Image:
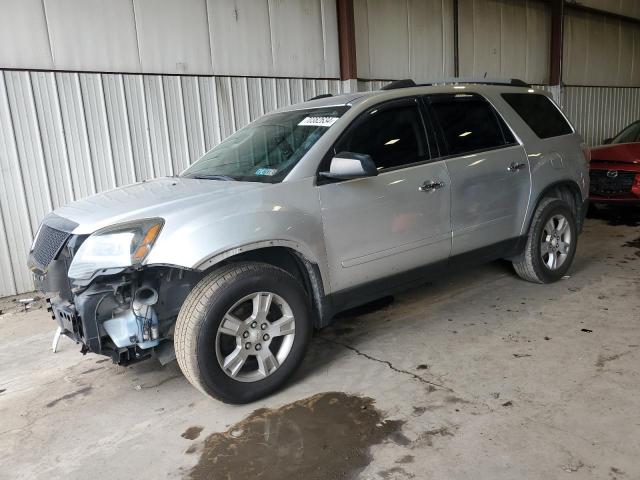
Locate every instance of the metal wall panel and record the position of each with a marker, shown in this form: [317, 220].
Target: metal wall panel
[274, 37]
[64, 136]
[504, 38]
[15, 232]
[91, 35]
[404, 39]
[173, 37]
[282, 38]
[600, 51]
[22, 22]
[601, 112]
[630, 8]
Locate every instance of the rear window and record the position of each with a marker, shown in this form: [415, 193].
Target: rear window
[542, 116]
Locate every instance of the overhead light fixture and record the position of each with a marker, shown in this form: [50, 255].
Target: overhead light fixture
[392, 141]
[464, 134]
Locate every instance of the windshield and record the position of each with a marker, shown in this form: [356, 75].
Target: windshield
[629, 134]
[267, 149]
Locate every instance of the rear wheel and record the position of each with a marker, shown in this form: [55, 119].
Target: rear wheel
[242, 331]
[551, 243]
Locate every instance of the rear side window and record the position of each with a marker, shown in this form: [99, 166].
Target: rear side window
[469, 123]
[394, 137]
[542, 116]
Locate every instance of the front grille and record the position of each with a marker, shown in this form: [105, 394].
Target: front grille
[606, 182]
[47, 246]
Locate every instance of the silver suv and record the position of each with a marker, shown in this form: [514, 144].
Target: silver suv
[308, 211]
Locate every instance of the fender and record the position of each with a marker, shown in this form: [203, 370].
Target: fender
[302, 251]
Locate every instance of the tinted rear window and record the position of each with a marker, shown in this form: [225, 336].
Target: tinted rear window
[542, 116]
[469, 123]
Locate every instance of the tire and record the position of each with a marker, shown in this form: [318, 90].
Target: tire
[533, 265]
[201, 335]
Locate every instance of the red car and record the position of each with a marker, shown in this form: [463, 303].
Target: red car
[615, 168]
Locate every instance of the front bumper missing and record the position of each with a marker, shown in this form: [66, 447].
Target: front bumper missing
[78, 321]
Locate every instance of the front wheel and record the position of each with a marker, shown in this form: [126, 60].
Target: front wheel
[242, 331]
[551, 243]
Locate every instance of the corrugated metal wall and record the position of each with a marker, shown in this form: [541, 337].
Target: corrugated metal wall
[504, 38]
[601, 112]
[64, 136]
[600, 51]
[404, 39]
[284, 38]
[630, 8]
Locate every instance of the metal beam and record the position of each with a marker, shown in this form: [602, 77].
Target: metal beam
[456, 56]
[556, 43]
[347, 40]
[603, 13]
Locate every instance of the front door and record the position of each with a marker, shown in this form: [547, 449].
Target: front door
[380, 226]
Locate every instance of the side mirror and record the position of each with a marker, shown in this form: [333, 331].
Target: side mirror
[347, 165]
[607, 141]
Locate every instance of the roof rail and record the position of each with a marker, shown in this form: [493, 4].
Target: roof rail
[399, 84]
[514, 82]
[318, 97]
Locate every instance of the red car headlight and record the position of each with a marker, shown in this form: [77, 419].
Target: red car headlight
[635, 189]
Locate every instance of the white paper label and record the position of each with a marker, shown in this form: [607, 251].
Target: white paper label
[319, 121]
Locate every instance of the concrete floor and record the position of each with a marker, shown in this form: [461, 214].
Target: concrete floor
[488, 377]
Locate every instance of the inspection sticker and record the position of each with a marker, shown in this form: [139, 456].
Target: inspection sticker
[269, 172]
[319, 121]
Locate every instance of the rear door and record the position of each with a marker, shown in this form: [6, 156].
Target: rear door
[489, 170]
[377, 227]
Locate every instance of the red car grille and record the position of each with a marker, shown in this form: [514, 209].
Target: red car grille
[611, 182]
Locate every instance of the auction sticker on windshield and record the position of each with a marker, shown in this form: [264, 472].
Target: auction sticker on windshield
[266, 171]
[319, 121]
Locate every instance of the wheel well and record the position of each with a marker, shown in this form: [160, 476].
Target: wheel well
[567, 191]
[306, 272]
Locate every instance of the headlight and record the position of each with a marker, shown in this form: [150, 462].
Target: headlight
[117, 246]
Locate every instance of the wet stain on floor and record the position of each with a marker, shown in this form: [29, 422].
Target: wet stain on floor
[191, 433]
[325, 436]
[634, 244]
[83, 391]
[628, 216]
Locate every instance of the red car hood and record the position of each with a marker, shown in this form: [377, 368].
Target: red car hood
[618, 153]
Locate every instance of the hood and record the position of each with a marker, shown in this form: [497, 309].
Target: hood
[618, 153]
[155, 198]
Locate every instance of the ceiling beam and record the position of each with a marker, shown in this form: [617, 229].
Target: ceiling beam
[604, 13]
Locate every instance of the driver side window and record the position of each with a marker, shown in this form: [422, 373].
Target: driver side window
[394, 137]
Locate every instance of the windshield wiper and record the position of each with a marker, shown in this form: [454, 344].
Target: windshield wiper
[214, 177]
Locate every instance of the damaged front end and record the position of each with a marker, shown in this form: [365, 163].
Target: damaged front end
[126, 312]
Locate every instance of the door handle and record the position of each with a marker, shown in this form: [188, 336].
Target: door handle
[431, 185]
[514, 167]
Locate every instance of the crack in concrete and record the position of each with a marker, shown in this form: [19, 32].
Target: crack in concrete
[161, 382]
[387, 363]
[602, 359]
